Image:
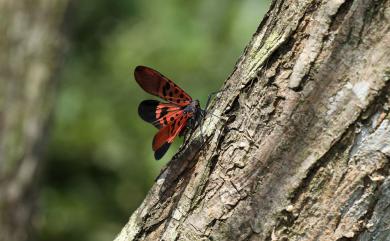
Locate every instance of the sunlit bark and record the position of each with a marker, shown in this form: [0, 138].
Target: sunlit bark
[304, 153]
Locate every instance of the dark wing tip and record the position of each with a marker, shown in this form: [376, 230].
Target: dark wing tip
[159, 153]
[147, 110]
[148, 79]
[138, 71]
[140, 68]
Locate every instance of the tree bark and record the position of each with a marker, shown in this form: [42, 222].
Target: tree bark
[304, 153]
[30, 44]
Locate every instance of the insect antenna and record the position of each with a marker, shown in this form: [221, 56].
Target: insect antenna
[204, 112]
[211, 95]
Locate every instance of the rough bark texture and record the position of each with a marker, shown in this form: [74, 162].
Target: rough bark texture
[304, 154]
[29, 45]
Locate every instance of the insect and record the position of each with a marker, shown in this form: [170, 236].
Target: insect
[175, 118]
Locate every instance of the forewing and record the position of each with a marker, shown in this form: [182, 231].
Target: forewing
[167, 134]
[157, 84]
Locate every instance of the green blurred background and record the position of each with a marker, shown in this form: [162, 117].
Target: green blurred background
[100, 165]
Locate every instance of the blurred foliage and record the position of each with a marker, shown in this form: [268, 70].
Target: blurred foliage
[100, 164]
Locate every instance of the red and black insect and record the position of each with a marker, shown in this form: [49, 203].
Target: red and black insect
[174, 118]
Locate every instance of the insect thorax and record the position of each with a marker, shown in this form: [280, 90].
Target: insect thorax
[193, 108]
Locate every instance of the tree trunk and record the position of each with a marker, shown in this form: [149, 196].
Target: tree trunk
[304, 153]
[29, 43]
